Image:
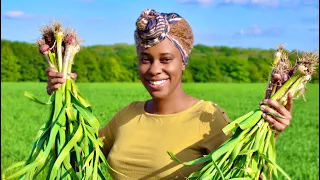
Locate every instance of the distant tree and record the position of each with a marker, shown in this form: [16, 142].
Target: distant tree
[113, 71]
[10, 69]
[235, 68]
[187, 76]
[21, 61]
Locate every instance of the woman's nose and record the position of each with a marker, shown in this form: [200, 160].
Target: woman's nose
[155, 68]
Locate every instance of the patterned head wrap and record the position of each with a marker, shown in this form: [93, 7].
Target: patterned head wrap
[152, 27]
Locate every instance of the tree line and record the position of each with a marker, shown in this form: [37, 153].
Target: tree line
[21, 61]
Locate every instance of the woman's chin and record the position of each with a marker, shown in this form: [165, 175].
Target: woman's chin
[158, 94]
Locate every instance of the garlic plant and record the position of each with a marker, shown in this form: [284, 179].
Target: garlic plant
[250, 152]
[67, 143]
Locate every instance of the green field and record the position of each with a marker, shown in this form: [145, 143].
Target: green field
[297, 147]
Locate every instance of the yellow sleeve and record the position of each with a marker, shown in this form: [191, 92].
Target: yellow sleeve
[214, 119]
[109, 131]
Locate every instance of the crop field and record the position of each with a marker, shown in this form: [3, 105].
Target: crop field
[297, 147]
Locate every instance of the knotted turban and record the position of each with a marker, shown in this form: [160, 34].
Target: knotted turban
[153, 27]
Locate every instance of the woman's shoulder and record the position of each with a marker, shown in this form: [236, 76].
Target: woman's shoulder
[211, 106]
[134, 106]
[127, 112]
[213, 111]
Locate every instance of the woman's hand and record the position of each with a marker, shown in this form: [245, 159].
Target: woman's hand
[55, 79]
[276, 114]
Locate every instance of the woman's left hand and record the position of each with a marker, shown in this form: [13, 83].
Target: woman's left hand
[276, 114]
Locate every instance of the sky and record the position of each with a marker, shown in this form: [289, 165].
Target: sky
[261, 24]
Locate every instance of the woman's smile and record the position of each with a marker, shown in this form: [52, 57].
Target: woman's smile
[157, 84]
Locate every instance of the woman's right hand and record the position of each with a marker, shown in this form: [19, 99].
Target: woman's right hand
[55, 79]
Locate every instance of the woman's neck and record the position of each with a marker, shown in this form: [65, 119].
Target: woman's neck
[175, 103]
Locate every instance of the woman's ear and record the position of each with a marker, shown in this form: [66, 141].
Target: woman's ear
[183, 66]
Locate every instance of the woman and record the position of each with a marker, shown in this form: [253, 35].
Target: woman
[137, 138]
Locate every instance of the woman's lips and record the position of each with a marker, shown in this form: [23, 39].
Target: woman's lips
[157, 84]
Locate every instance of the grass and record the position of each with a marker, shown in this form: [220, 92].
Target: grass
[297, 147]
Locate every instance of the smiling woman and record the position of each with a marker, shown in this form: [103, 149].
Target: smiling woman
[160, 70]
[137, 138]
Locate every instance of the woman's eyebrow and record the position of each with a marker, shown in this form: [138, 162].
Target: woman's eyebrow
[144, 53]
[163, 54]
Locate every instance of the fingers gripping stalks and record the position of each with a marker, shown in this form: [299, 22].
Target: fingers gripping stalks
[250, 153]
[68, 143]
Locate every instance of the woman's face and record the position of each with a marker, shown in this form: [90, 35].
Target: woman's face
[160, 69]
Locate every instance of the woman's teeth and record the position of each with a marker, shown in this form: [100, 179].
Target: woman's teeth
[157, 82]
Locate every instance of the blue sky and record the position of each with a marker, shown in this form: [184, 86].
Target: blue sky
[236, 23]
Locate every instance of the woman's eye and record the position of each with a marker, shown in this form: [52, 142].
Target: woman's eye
[165, 59]
[144, 59]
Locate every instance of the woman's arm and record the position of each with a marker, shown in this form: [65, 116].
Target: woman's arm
[107, 134]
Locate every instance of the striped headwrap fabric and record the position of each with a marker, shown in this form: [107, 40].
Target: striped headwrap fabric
[152, 27]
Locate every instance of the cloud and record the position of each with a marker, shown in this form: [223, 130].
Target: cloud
[271, 3]
[310, 2]
[21, 15]
[254, 3]
[311, 19]
[16, 14]
[314, 29]
[255, 30]
[196, 2]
